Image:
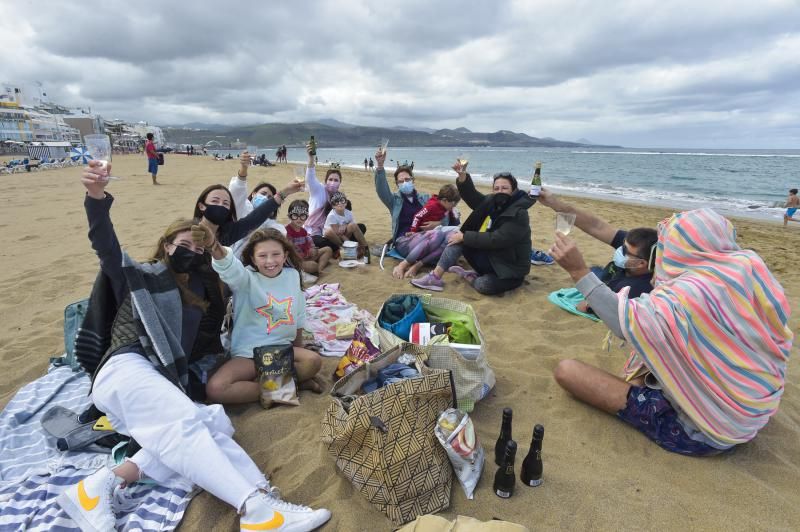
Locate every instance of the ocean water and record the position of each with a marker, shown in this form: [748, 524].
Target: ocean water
[750, 183]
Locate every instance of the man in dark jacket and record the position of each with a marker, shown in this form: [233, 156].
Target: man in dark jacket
[495, 239]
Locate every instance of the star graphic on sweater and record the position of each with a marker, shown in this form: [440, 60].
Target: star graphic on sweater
[277, 311]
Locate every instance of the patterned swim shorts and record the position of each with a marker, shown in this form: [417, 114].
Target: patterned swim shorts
[650, 412]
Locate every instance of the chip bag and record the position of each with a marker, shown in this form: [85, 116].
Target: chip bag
[361, 350]
[275, 370]
[456, 433]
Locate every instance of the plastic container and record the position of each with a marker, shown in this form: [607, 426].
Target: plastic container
[349, 250]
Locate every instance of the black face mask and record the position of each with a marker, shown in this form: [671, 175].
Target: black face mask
[500, 199]
[183, 260]
[216, 214]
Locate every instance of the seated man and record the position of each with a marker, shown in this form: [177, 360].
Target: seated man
[709, 343]
[633, 257]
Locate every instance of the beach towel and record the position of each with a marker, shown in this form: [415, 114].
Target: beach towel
[714, 329]
[568, 299]
[326, 308]
[33, 472]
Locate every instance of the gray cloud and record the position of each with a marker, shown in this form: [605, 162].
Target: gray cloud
[636, 73]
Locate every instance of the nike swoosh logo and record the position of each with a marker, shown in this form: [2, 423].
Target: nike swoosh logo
[272, 524]
[87, 503]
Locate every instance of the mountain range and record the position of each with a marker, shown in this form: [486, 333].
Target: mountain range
[333, 133]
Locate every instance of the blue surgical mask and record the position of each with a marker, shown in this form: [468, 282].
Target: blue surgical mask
[257, 200]
[620, 260]
[406, 187]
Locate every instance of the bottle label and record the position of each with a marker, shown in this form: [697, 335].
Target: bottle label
[535, 482]
[503, 494]
[536, 190]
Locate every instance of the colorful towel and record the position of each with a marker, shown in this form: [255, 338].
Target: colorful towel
[568, 299]
[714, 329]
[326, 308]
[33, 472]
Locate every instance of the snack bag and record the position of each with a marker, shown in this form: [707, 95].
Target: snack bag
[422, 333]
[456, 433]
[275, 370]
[361, 350]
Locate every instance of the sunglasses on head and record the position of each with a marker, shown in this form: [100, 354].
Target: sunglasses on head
[502, 174]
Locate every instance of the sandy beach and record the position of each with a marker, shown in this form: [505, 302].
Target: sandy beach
[599, 473]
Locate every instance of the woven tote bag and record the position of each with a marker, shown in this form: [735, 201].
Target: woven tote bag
[383, 442]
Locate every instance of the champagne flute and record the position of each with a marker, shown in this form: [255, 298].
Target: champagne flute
[252, 151]
[564, 222]
[99, 148]
[384, 145]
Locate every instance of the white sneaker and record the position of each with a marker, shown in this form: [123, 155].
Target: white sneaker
[88, 502]
[267, 512]
[308, 278]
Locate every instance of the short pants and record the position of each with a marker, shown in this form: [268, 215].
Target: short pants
[152, 166]
[790, 211]
[650, 412]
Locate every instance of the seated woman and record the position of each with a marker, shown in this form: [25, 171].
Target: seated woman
[319, 204]
[404, 203]
[425, 247]
[269, 309]
[215, 209]
[167, 312]
[495, 239]
[710, 342]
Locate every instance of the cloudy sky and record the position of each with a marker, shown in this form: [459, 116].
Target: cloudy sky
[641, 73]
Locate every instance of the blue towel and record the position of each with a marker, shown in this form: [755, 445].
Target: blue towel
[568, 299]
[33, 472]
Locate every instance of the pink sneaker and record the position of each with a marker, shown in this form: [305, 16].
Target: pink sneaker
[468, 275]
[429, 282]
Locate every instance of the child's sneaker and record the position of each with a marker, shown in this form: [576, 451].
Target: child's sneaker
[468, 275]
[540, 258]
[429, 281]
[88, 502]
[263, 511]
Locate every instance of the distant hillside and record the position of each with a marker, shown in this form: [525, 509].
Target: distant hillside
[337, 134]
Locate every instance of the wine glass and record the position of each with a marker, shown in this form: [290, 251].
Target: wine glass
[99, 148]
[300, 174]
[564, 222]
[252, 151]
[463, 160]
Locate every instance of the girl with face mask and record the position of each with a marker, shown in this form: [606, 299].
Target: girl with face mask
[148, 324]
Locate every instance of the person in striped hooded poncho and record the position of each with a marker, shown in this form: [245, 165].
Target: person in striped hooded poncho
[710, 342]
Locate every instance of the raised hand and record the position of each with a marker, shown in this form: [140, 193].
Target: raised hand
[95, 178]
[380, 158]
[203, 236]
[568, 256]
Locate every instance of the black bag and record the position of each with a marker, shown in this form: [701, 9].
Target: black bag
[160, 159]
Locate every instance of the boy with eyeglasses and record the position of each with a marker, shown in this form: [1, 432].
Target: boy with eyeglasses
[340, 225]
[314, 259]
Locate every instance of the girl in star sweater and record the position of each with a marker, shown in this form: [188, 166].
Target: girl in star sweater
[268, 310]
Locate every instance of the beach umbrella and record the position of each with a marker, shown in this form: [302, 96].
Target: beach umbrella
[80, 153]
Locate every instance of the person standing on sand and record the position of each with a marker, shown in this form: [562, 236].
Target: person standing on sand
[365, 164]
[709, 344]
[371, 164]
[792, 204]
[152, 157]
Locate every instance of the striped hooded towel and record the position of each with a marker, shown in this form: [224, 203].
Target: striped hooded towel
[714, 329]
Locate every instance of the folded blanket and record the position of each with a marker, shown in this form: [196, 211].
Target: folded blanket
[568, 299]
[33, 472]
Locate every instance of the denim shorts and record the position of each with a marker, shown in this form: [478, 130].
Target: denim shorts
[152, 166]
[650, 412]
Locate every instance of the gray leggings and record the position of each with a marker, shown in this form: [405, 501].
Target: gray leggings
[488, 284]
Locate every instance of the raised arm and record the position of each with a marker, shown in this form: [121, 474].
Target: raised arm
[242, 227]
[381, 185]
[585, 221]
[468, 192]
[101, 231]
[238, 187]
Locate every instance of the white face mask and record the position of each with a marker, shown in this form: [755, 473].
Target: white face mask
[620, 260]
[406, 187]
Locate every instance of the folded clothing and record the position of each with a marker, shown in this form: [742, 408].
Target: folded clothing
[392, 373]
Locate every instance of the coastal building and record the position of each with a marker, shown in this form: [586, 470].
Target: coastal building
[26, 115]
